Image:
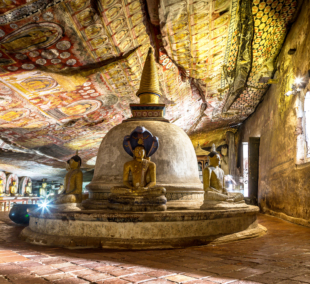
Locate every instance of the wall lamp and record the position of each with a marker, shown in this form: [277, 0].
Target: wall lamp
[299, 83]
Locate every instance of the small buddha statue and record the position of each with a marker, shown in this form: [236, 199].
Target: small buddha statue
[2, 191]
[13, 189]
[28, 189]
[216, 195]
[73, 183]
[140, 193]
[43, 190]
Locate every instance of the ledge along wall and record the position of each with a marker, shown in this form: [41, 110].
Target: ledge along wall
[284, 176]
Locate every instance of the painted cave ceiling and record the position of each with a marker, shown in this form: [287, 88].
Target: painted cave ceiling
[70, 69]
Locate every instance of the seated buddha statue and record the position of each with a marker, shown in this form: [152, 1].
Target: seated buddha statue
[28, 189]
[2, 191]
[73, 183]
[13, 189]
[216, 195]
[140, 193]
[43, 190]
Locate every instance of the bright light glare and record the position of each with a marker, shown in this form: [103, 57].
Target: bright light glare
[298, 81]
[44, 205]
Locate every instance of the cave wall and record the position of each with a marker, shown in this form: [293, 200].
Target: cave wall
[284, 173]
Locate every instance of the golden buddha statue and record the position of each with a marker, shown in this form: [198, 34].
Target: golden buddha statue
[216, 195]
[140, 193]
[2, 191]
[73, 183]
[28, 189]
[13, 189]
[143, 172]
[43, 189]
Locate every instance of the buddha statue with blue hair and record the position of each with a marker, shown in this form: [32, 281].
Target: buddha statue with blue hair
[140, 192]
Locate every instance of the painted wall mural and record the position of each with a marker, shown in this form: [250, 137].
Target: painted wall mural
[31, 37]
[52, 91]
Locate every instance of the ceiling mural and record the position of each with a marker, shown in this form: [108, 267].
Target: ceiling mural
[70, 69]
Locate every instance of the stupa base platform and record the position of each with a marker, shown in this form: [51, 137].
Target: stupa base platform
[102, 204]
[67, 207]
[108, 229]
[137, 208]
[222, 205]
[179, 197]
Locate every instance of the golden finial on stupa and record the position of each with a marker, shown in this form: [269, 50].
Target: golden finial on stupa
[149, 90]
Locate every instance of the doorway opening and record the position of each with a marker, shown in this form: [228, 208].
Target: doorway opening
[253, 169]
[245, 166]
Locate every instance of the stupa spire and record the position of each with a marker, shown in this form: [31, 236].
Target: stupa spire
[149, 91]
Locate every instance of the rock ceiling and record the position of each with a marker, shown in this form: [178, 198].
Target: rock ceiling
[69, 69]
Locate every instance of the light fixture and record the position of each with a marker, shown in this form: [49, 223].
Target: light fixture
[299, 83]
[298, 80]
[294, 91]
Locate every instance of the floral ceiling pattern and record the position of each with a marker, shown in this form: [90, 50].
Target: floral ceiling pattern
[70, 69]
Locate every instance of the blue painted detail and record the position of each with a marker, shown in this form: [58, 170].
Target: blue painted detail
[141, 137]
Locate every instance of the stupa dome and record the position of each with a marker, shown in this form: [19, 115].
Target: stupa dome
[175, 159]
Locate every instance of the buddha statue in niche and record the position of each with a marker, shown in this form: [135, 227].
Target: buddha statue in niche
[2, 191]
[73, 183]
[13, 189]
[28, 189]
[43, 190]
[143, 174]
[139, 176]
[216, 195]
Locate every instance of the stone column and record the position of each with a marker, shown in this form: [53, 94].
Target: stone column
[230, 138]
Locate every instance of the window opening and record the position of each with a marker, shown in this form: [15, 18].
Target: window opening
[307, 122]
[200, 171]
[245, 155]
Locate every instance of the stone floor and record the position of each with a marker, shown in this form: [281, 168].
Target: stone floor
[281, 256]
